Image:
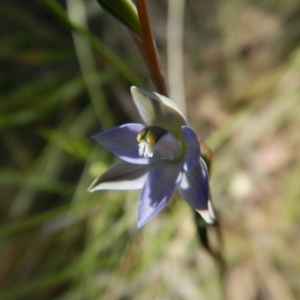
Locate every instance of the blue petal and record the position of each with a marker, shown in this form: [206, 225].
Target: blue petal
[158, 189]
[191, 148]
[194, 186]
[122, 176]
[121, 141]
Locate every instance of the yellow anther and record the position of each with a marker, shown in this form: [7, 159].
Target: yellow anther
[154, 139]
[150, 135]
[151, 138]
[141, 134]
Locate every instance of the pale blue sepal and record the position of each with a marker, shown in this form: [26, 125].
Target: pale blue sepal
[194, 189]
[191, 148]
[122, 176]
[160, 185]
[122, 142]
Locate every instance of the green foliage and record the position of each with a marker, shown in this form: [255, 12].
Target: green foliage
[124, 11]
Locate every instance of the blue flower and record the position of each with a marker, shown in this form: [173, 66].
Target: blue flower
[157, 157]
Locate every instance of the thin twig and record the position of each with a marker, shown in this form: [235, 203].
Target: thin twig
[202, 229]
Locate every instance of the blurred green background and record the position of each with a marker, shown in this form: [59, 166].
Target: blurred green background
[58, 88]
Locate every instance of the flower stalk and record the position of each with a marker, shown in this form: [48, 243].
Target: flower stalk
[150, 48]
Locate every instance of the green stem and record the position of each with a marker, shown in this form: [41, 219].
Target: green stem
[152, 54]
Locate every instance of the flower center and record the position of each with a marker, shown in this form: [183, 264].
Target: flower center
[156, 140]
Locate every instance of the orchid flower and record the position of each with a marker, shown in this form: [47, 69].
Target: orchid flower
[158, 157]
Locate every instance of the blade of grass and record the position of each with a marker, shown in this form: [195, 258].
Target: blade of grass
[101, 49]
[175, 52]
[77, 14]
